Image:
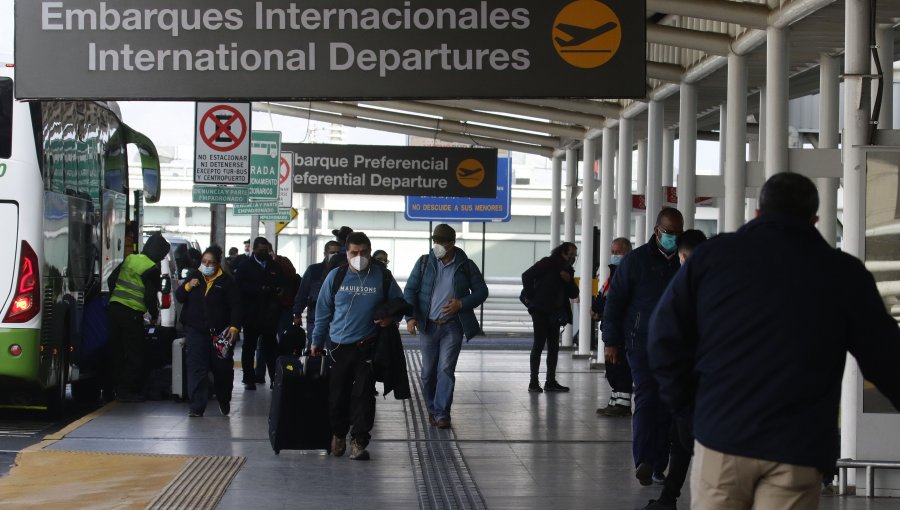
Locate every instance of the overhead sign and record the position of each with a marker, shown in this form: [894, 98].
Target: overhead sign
[257, 207]
[265, 152]
[221, 194]
[319, 49]
[394, 170]
[222, 143]
[285, 169]
[466, 209]
[670, 194]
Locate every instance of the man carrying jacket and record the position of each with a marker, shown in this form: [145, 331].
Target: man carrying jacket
[133, 286]
[633, 294]
[444, 289]
[749, 343]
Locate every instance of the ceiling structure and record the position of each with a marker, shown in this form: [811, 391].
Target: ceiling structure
[687, 41]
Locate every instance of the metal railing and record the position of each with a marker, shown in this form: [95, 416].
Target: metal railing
[870, 465]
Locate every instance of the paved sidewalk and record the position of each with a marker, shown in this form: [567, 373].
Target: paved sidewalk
[508, 449]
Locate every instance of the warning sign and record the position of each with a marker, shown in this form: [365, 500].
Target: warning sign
[587, 34]
[285, 168]
[222, 143]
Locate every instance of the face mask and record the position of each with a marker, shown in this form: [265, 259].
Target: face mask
[615, 260]
[667, 241]
[207, 270]
[329, 257]
[263, 257]
[571, 259]
[359, 263]
[247, 251]
[439, 250]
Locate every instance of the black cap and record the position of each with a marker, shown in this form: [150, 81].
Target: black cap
[443, 233]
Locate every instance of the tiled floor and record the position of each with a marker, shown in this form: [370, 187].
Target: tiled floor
[523, 450]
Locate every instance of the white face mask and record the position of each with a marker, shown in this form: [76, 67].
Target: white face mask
[439, 250]
[359, 263]
[207, 270]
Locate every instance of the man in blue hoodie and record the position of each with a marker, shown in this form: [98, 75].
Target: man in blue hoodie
[444, 289]
[348, 316]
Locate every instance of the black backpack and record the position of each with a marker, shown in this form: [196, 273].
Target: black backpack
[386, 278]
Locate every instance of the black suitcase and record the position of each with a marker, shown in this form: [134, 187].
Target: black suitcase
[298, 416]
[291, 341]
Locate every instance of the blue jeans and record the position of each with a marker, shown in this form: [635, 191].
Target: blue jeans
[441, 344]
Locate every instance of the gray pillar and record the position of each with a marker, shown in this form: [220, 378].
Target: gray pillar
[571, 182]
[687, 154]
[776, 101]
[856, 122]
[556, 180]
[829, 102]
[884, 39]
[312, 220]
[723, 132]
[586, 251]
[736, 144]
[668, 157]
[640, 225]
[254, 228]
[623, 179]
[654, 163]
[606, 199]
[217, 227]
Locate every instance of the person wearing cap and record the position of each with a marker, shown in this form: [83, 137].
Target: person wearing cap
[444, 288]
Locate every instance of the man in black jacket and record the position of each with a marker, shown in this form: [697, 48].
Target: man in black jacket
[259, 280]
[619, 374]
[310, 284]
[749, 343]
[633, 293]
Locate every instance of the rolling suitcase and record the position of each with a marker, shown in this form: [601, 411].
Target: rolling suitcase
[298, 416]
[179, 371]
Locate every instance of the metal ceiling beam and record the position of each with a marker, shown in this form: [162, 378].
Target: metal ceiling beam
[525, 110]
[401, 129]
[591, 107]
[671, 73]
[711, 42]
[742, 13]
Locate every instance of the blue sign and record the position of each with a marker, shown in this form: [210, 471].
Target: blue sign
[466, 209]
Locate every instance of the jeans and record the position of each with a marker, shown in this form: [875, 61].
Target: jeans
[201, 360]
[651, 423]
[546, 332]
[440, 347]
[351, 398]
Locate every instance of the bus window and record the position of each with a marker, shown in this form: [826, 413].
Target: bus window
[6, 104]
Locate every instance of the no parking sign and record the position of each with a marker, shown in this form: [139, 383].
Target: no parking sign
[222, 143]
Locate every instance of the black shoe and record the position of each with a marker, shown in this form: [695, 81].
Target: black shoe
[615, 411]
[659, 478]
[250, 386]
[644, 473]
[261, 381]
[554, 386]
[195, 414]
[225, 408]
[658, 505]
[535, 387]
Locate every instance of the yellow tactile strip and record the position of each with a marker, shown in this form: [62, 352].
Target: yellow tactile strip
[199, 485]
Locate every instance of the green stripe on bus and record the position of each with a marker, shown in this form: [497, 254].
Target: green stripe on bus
[26, 366]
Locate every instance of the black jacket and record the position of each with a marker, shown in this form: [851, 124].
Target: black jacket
[309, 289]
[390, 361]
[634, 291]
[259, 288]
[750, 340]
[216, 309]
[545, 290]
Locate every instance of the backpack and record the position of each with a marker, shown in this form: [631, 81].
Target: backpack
[386, 278]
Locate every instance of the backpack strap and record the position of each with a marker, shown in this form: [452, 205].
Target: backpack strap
[338, 280]
[422, 261]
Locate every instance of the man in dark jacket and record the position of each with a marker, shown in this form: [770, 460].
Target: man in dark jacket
[310, 284]
[259, 281]
[749, 343]
[633, 294]
[619, 374]
[547, 287]
[444, 288]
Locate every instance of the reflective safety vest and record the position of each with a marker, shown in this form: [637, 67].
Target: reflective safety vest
[129, 289]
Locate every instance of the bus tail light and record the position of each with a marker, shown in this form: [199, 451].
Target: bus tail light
[166, 301]
[26, 303]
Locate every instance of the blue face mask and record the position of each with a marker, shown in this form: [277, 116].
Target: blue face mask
[667, 242]
[207, 270]
[615, 260]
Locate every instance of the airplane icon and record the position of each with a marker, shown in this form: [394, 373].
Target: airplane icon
[580, 35]
[465, 172]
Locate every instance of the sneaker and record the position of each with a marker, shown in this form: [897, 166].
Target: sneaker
[195, 414]
[338, 445]
[554, 386]
[659, 478]
[535, 387]
[644, 473]
[616, 411]
[225, 408]
[443, 423]
[250, 386]
[658, 505]
[358, 450]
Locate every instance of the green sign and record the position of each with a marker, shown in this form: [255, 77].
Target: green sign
[267, 207]
[265, 156]
[221, 194]
[284, 216]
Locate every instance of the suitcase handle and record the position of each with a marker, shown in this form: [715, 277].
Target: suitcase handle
[305, 362]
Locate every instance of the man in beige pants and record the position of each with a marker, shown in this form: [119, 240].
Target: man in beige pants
[748, 344]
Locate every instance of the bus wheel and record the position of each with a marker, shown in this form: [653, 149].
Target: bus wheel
[56, 399]
[87, 391]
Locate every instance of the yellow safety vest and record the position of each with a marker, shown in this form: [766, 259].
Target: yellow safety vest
[129, 289]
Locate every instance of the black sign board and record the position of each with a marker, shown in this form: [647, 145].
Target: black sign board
[392, 170]
[322, 49]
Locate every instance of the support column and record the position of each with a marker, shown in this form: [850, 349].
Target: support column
[640, 225]
[776, 101]
[884, 39]
[217, 227]
[856, 123]
[623, 181]
[687, 154]
[760, 153]
[586, 251]
[606, 203]
[829, 102]
[556, 181]
[668, 157]
[736, 144]
[723, 133]
[571, 181]
[654, 164]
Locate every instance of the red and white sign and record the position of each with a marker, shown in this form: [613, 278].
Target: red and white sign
[285, 190]
[222, 143]
[670, 194]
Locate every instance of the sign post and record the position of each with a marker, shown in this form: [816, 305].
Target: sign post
[222, 143]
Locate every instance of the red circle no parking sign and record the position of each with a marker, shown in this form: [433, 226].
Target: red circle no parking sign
[223, 128]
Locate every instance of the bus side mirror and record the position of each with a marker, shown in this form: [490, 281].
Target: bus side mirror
[149, 164]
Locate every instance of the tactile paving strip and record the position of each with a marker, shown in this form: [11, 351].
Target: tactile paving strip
[200, 484]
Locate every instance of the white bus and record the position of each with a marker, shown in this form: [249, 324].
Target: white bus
[65, 208]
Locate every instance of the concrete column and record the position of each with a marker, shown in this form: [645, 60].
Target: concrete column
[723, 130]
[623, 180]
[555, 209]
[571, 182]
[640, 225]
[776, 101]
[884, 39]
[736, 144]
[687, 154]
[668, 157]
[606, 199]
[760, 153]
[654, 163]
[829, 102]
[856, 123]
[586, 250]
[217, 227]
